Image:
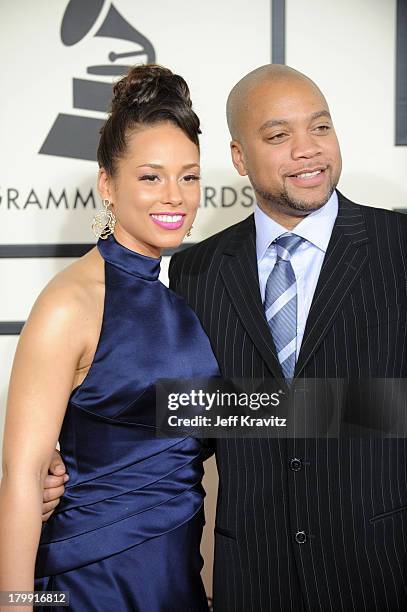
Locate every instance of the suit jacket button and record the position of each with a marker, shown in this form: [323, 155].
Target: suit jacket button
[295, 464]
[300, 537]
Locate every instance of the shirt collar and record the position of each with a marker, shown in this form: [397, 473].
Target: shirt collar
[315, 227]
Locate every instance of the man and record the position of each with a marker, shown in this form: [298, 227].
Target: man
[312, 286]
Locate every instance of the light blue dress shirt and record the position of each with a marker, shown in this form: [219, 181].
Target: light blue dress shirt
[316, 229]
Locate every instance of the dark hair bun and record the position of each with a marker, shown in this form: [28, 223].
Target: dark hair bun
[147, 95]
[147, 84]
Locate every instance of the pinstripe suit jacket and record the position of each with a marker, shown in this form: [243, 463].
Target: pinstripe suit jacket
[348, 494]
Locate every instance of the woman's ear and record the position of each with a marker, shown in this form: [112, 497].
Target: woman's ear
[104, 185]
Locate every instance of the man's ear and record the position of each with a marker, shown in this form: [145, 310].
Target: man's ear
[238, 157]
[104, 185]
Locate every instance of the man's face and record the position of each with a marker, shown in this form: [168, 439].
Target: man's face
[288, 147]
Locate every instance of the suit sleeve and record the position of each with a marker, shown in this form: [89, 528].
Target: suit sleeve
[173, 272]
[208, 447]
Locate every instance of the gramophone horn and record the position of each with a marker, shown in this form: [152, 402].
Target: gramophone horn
[79, 17]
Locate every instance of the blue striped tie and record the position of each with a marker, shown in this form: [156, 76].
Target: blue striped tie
[280, 303]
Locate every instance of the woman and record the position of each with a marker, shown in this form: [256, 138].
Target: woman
[126, 534]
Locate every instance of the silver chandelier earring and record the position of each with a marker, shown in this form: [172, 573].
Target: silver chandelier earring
[104, 221]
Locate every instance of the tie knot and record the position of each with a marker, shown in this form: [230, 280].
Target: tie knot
[286, 245]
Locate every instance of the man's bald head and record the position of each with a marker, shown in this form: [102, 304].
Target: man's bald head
[239, 98]
[284, 140]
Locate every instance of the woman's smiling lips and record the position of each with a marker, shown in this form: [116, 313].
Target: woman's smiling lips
[171, 221]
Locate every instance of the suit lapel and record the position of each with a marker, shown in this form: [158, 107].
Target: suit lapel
[344, 260]
[240, 276]
[345, 257]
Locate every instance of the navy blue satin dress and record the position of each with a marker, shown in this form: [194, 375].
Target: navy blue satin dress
[127, 531]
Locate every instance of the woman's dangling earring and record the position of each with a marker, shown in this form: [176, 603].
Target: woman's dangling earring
[104, 221]
[189, 232]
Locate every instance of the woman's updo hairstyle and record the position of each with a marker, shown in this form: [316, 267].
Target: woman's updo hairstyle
[147, 95]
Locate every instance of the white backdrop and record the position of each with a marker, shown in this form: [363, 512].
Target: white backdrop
[347, 47]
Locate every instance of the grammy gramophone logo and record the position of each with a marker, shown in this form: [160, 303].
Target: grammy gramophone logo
[77, 135]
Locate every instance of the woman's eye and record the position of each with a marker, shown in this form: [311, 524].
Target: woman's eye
[149, 177]
[191, 177]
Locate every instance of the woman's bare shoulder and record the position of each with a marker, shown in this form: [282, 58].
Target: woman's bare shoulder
[73, 294]
[79, 280]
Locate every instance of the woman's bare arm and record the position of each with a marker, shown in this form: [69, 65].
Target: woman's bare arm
[49, 351]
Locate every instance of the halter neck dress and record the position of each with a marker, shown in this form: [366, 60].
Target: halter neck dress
[126, 533]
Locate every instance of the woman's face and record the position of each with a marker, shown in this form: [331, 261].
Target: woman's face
[155, 192]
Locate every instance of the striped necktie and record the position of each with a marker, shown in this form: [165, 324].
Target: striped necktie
[280, 303]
